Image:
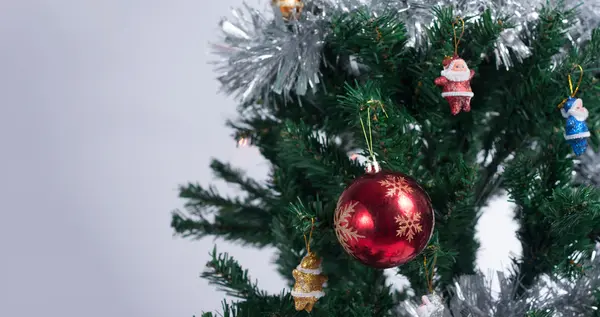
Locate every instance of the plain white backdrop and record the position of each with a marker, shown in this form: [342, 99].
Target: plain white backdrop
[106, 107]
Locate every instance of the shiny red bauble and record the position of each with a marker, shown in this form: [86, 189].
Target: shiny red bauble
[384, 219]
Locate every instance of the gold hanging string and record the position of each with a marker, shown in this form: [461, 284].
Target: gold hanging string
[369, 135]
[428, 277]
[307, 241]
[458, 39]
[573, 91]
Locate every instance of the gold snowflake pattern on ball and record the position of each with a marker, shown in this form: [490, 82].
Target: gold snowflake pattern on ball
[408, 225]
[395, 185]
[342, 227]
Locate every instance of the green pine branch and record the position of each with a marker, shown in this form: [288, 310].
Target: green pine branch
[203, 201]
[254, 191]
[270, 306]
[456, 216]
[246, 225]
[371, 299]
[289, 229]
[260, 131]
[428, 266]
[376, 41]
[575, 218]
[304, 215]
[556, 221]
[395, 141]
[320, 165]
[225, 272]
[234, 219]
[207, 199]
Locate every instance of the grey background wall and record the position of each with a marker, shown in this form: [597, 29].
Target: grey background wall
[105, 107]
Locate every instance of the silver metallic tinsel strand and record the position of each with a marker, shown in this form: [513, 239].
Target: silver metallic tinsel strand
[473, 296]
[587, 168]
[521, 12]
[260, 54]
[574, 298]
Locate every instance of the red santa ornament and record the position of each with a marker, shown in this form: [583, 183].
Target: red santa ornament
[456, 84]
[456, 77]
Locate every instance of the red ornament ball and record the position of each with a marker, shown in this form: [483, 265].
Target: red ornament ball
[384, 219]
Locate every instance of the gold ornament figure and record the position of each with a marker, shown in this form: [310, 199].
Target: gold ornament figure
[309, 280]
[288, 7]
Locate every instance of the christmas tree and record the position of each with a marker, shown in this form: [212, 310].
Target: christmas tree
[381, 118]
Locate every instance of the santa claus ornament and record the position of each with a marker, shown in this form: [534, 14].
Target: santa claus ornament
[455, 79]
[383, 218]
[576, 129]
[309, 280]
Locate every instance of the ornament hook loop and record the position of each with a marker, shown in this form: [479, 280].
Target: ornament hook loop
[372, 164]
[573, 91]
[458, 39]
[307, 241]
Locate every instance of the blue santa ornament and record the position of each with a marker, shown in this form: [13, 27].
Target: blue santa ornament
[576, 130]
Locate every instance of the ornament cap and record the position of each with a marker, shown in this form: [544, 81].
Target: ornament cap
[373, 167]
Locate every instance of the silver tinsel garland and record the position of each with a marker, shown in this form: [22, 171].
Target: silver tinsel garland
[474, 296]
[587, 168]
[521, 12]
[261, 53]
